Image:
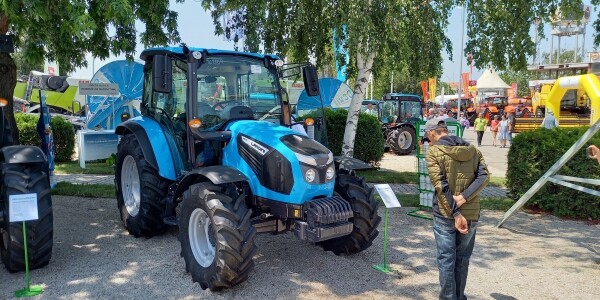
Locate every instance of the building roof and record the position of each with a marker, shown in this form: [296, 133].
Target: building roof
[490, 80]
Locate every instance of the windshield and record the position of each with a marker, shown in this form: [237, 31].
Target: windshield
[227, 83]
[390, 112]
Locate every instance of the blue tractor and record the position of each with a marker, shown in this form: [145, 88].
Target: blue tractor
[214, 156]
[399, 115]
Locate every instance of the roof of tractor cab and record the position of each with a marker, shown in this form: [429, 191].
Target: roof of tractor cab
[148, 53]
[402, 97]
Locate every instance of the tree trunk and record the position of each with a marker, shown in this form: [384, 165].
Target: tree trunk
[8, 81]
[365, 65]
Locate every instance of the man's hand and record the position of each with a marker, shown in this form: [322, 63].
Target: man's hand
[461, 224]
[459, 200]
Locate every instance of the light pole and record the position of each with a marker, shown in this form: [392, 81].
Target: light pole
[462, 50]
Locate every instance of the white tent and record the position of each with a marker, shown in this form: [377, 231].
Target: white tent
[490, 80]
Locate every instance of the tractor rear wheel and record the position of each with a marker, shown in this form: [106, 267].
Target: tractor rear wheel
[140, 190]
[402, 140]
[360, 196]
[526, 113]
[216, 236]
[18, 179]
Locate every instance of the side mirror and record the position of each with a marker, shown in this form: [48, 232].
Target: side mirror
[311, 81]
[162, 76]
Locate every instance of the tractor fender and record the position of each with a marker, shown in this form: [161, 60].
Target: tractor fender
[152, 140]
[215, 174]
[350, 163]
[22, 154]
[493, 109]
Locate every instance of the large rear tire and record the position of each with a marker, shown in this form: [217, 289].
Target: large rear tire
[216, 236]
[365, 220]
[26, 179]
[140, 190]
[402, 140]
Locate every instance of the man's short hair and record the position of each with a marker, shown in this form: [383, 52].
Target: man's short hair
[435, 124]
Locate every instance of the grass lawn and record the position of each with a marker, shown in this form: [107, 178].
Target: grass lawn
[502, 204]
[388, 176]
[497, 181]
[72, 167]
[84, 190]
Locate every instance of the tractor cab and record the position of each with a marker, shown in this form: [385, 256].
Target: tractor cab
[399, 115]
[401, 108]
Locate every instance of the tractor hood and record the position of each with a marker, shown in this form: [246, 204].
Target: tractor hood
[280, 163]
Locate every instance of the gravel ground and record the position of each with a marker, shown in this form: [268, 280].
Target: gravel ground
[535, 257]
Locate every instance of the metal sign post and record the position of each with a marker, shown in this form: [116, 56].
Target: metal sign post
[23, 208]
[389, 199]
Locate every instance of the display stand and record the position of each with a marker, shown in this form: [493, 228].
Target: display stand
[424, 187]
[389, 199]
[24, 208]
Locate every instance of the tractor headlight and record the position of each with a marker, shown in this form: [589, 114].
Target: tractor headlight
[330, 173]
[310, 175]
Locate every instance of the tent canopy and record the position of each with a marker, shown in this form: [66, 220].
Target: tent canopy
[490, 80]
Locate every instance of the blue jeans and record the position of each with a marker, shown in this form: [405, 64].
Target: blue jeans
[454, 251]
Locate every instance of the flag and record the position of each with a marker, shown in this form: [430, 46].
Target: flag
[465, 83]
[432, 86]
[424, 89]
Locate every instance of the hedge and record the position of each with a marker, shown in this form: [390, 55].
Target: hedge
[369, 142]
[534, 152]
[64, 137]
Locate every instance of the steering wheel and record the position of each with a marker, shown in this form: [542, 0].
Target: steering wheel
[270, 113]
[222, 104]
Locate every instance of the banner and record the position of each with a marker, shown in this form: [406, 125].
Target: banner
[466, 78]
[432, 86]
[514, 89]
[424, 89]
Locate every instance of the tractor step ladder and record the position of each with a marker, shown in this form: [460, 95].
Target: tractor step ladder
[551, 175]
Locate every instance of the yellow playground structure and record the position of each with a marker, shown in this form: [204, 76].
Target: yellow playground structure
[588, 82]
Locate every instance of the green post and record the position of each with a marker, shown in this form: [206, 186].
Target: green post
[385, 268]
[29, 290]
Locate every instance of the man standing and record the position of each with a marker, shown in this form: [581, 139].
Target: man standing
[458, 173]
[511, 125]
[479, 126]
[549, 121]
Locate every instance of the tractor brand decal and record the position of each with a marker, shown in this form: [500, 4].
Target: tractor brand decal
[215, 61]
[262, 150]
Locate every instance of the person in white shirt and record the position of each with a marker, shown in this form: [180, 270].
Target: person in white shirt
[371, 110]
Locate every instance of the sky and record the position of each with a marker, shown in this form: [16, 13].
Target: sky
[196, 29]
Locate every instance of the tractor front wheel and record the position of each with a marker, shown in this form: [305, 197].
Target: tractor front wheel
[19, 179]
[402, 140]
[216, 236]
[140, 190]
[365, 219]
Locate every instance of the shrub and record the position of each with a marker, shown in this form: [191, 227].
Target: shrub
[369, 142]
[533, 153]
[64, 137]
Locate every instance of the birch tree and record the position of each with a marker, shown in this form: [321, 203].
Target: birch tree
[408, 33]
[64, 31]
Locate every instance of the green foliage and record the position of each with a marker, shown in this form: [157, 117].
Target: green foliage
[520, 77]
[298, 29]
[534, 152]
[68, 30]
[111, 160]
[23, 66]
[388, 176]
[369, 137]
[72, 167]
[84, 190]
[64, 137]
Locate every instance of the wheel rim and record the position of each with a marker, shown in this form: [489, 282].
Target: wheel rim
[404, 140]
[201, 237]
[130, 184]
